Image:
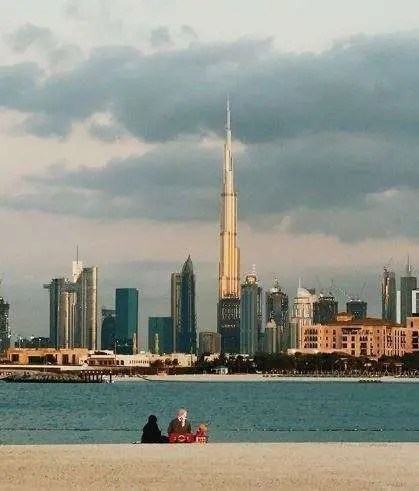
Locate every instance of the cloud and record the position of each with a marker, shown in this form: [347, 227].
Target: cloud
[383, 215]
[175, 182]
[342, 185]
[160, 37]
[87, 11]
[46, 126]
[65, 57]
[157, 97]
[17, 83]
[108, 132]
[30, 35]
[364, 85]
[328, 140]
[189, 32]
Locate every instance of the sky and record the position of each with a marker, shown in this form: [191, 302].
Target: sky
[112, 119]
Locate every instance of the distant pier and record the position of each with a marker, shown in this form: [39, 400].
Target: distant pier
[81, 377]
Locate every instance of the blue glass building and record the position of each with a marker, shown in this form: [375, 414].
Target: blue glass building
[126, 318]
[108, 329]
[160, 335]
[186, 336]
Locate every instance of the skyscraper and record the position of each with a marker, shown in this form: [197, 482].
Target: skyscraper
[358, 309]
[277, 311]
[415, 302]
[4, 325]
[271, 338]
[325, 309]
[160, 337]
[408, 283]
[86, 325]
[228, 311]
[126, 319]
[73, 309]
[250, 316]
[301, 315]
[388, 295]
[209, 342]
[186, 336]
[108, 329]
[175, 306]
[62, 312]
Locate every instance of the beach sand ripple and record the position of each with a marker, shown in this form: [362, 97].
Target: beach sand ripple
[232, 466]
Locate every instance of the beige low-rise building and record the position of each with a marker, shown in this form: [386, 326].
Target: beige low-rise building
[47, 356]
[107, 358]
[93, 358]
[368, 337]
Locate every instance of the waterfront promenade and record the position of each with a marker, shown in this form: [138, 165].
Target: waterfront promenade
[221, 466]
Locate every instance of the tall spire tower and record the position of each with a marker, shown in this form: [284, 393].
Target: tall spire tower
[229, 269]
[229, 266]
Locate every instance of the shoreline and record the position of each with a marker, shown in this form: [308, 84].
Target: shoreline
[224, 466]
[258, 378]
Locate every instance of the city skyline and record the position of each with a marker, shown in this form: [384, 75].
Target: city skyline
[312, 119]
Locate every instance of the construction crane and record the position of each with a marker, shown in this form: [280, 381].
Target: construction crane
[340, 291]
[350, 296]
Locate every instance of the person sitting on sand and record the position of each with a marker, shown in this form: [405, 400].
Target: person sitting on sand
[151, 432]
[180, 424]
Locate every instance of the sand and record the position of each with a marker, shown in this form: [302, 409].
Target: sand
[229, 466]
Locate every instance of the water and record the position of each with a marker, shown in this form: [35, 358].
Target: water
[238, 411]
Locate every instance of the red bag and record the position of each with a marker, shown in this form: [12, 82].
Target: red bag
[181, 438]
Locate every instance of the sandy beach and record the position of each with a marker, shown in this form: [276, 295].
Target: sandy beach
[232, 466]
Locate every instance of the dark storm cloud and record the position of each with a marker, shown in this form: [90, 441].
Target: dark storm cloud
[364, 85]
[335, 184]
[65, 56]
[174, 182]
[17, 83]
[31, 35]
[46, 126]
[331, 138]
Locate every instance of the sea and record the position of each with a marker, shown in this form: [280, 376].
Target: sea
[276, 411]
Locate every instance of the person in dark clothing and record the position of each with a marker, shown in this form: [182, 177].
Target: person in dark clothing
[180, 424]
[151, 432]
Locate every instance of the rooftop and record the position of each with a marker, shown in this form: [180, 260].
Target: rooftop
[368, 321]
